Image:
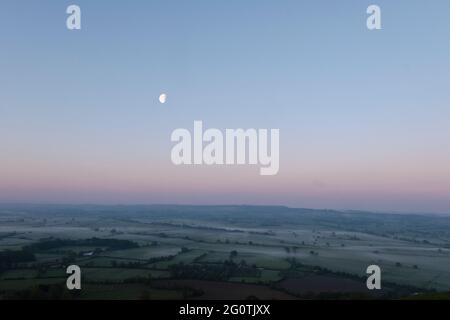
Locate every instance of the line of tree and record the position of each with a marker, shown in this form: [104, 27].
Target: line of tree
[9, 258]
[213, 272]
[49, 244]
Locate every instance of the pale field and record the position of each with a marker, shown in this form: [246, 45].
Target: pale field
[337, 250]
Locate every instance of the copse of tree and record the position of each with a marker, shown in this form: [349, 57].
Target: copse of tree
[9, 258]
[219, 272]
[233, 254]
[184, 249]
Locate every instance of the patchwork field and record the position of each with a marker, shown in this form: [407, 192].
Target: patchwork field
[238, 252]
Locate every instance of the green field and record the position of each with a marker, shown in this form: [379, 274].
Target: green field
[126, 251]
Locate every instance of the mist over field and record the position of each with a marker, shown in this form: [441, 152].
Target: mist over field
[220, 252]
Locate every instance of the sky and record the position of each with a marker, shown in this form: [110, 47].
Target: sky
[363, 115]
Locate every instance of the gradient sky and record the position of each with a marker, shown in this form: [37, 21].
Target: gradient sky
[364, 116]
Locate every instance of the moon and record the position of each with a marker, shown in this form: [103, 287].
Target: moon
[163, 98]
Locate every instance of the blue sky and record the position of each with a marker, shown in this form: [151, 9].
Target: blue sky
[363, 115]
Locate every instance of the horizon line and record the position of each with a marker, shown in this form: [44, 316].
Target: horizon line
[221, 205]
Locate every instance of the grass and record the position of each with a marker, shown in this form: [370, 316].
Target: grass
[127, 292]
[120, 274]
